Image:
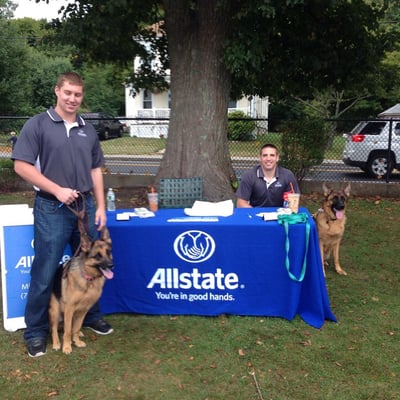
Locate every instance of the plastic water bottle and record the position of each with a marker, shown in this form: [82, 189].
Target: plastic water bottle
[286, 199]
[110, 200]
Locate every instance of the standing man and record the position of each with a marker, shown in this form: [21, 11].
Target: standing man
[13, 139]
[60, 155]
[265, 184]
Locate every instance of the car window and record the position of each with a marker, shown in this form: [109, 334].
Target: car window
[357, 129]
[373, 128]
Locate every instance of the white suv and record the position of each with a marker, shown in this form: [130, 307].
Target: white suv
[367, 147]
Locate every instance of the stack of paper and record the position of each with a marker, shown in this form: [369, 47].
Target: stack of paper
[209, 209]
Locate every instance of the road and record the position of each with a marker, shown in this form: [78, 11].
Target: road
[330, 170]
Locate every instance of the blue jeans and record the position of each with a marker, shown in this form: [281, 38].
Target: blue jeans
[54, 228]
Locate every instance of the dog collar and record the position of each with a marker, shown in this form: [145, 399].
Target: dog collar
[320, 210]
[89, 278]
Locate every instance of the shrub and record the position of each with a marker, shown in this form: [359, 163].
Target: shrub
[8, 178]
[241, 127]
[303, 144]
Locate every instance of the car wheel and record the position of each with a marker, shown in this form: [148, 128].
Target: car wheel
[120, 132]
[378, 165]
[106, 135]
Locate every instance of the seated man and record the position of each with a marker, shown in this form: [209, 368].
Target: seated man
[265, 184]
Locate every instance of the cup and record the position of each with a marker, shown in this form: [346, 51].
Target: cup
[294, 200]
[153, 201]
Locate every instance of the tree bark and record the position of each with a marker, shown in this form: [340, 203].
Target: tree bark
[200, 84]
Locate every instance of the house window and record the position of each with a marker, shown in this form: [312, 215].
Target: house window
[147, 99]
[232, 104]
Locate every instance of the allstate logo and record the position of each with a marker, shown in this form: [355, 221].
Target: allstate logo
[194, 246]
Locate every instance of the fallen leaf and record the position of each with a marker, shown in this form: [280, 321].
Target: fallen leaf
[241, 352]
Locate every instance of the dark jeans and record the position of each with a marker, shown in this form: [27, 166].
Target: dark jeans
[54, 228]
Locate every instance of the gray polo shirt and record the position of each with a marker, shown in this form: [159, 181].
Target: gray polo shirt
[66, 158]
[253, 187]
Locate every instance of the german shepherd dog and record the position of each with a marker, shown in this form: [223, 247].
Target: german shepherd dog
[78, 286]
[330, 221]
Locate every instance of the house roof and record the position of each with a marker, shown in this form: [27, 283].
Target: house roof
[391, 112]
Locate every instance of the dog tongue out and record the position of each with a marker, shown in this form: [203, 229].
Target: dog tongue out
[108, 274]
[339, 214]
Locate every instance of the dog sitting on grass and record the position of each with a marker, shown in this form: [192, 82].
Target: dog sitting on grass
[331, 220]
[78, 286]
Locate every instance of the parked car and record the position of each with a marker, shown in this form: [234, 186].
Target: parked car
[125, 124]
[106, 125]
[367, 147]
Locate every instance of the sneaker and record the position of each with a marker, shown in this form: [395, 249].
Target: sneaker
[101, 327]
[36, 347]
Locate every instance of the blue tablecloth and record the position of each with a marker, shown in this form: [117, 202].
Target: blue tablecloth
[235, 265]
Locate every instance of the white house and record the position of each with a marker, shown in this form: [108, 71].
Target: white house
[155, 105]
[153, 110]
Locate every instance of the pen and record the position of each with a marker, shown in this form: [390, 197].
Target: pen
[61, 204]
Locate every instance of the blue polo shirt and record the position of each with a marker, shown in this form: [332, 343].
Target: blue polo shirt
[253, 187]
[66, 158]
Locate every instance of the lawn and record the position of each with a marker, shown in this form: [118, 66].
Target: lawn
[242, 358]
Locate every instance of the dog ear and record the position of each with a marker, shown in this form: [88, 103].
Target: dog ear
[327, 190]
[105, 234]
[346, 190]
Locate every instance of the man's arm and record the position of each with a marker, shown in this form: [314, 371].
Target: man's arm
[241, 203]
[98, 191]
[31, 174]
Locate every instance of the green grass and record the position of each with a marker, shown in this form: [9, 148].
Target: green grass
[242, 358]
[133, 146]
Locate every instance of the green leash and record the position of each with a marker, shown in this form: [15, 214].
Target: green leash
[286, 220]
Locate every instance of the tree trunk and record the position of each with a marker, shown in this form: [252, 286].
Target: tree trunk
[197, 138]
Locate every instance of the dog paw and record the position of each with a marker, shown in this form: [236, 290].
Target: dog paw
[341, 271]
[56, 347]
[79, 343]
[67, 349]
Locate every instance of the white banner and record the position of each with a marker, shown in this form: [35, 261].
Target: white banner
[17, 253]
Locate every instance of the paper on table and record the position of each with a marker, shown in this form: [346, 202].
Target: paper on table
[268, 216]
[209, 209]
[193, 219]
[273, 215]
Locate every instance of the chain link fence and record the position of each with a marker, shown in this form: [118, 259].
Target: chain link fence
[365, 153]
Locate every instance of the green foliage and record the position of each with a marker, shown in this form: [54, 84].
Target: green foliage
[104, 90]
[6, 163]
[240, 126]
[44, 73]
[303, 144]
[32, 61]
[8, 178]
[14, 65]
[305, 46]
